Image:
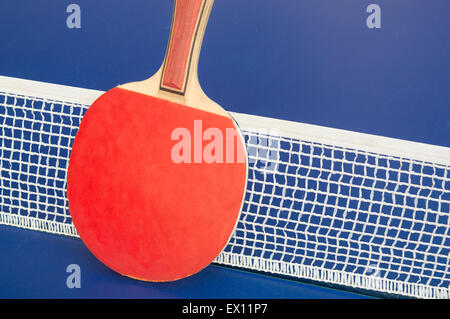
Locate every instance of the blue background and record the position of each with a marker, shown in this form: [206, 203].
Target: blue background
[311, 61]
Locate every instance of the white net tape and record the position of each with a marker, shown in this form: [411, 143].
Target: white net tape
[329, 205]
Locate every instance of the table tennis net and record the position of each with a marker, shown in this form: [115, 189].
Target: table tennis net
[322, 204]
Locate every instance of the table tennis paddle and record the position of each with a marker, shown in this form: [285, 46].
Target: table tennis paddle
[147, 201]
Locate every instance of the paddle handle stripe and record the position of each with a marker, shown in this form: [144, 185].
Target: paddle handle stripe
[188, 26]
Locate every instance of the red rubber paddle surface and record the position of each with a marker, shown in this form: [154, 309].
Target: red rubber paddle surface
[138, 211]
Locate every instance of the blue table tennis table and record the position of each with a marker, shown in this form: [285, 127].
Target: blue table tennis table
[314, 62]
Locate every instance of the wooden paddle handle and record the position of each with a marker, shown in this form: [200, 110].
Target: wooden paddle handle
[188, 27]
